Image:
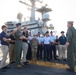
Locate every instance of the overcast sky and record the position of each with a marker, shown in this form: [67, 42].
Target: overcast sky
[63, 11]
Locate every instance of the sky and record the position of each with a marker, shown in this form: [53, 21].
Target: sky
[63, 11]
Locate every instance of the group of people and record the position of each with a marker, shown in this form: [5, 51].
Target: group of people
[22, 45]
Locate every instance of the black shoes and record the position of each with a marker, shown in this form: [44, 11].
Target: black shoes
[70, 70]
[25, 63]
[2, 70]
[64, 60]
[12, 62]
[6, 67]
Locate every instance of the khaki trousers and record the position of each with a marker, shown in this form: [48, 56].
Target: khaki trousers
[25, 50]
[62, 49]
[4, 49]
[57, 50]
[12, 52]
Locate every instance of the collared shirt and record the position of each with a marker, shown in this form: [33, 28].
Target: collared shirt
[57, 41]
[12, 38]
[4, 35]
[62, 40]
[30, 38]
[46, 40]
[26, 35]
[39, 40]
[52, 38]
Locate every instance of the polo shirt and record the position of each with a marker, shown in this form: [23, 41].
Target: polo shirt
[12, 38]
[4, 35]
[26, 35]
[62, 40]
[57, 40]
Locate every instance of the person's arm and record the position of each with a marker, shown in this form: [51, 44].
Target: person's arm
[69, 35]
[18, 35]
[4, 38]
[43, 42]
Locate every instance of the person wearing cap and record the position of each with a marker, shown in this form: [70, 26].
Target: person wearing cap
[34, 46]
[62, 46]
[71, 39]
[11, 47]
[4, 47]
[46, 43]
[18, 45]
[29, 53]
[39, 50]
[53, 46]
[25, 45]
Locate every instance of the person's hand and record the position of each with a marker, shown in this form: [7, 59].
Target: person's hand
[67, 44]
[21, 38]
[9, 39]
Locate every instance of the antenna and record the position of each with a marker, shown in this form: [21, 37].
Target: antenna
[32, 7]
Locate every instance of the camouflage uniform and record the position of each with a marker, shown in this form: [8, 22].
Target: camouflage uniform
[34, 45]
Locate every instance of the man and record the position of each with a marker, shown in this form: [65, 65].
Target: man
[71, 38]
[29, 53]
[25, 45]
[5, 43]
[62, 46]
[39, 50]
[18, 45]
[57, 45]
[46, 43]
[12, 47]
[53, 46]
[34, 46]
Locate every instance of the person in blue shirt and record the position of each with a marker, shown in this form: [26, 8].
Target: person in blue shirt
[29, 53]
[62, 46]
[4, 47]
[46, 44]
[39, 50]
[53, 46]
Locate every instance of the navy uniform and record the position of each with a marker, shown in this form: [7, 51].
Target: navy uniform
[39, 51]
[29, 53]
[18, 46]
[53, 46]
[46, 43]
[71, 38]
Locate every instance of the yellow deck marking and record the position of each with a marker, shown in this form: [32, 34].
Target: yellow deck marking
[49, 64]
